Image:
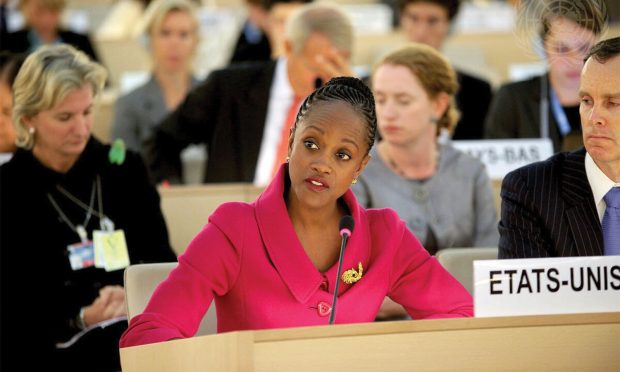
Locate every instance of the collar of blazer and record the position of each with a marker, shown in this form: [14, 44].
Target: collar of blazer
[580, 212]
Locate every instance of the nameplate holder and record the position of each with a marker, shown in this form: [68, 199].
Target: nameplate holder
[503, 156]
[537, 286]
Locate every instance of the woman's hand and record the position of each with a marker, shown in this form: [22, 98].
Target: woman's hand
[110, 304]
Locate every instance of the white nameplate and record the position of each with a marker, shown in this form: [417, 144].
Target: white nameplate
[503, 156]
[536, 286]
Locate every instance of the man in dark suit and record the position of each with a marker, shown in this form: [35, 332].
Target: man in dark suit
[557, 207]
[428, 22]
[239, 111]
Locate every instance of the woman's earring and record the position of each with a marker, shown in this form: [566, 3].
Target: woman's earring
[434, 120]
[31, 130]
[288, 158]
[354, 181]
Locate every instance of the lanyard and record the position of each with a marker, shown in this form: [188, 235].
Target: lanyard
[105, 222]
[559, 114]
[556, 108]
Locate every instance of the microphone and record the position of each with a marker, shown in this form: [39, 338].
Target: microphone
[318, 82]
[346, 229]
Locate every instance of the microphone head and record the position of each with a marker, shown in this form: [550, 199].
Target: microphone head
[346, 225]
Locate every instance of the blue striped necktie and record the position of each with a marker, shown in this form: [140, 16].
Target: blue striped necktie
[611, 222]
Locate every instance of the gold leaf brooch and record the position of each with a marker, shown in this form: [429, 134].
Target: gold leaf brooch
[351, 276]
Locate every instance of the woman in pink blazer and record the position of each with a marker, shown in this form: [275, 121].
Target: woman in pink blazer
[273, 263]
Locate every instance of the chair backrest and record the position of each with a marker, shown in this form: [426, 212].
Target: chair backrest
[187, 208]
[140, 283]
[460, 262]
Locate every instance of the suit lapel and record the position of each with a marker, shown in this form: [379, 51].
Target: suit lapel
[251, 123]
[580, 212]
[281, 242]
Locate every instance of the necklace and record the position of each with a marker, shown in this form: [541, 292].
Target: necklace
[398, 170]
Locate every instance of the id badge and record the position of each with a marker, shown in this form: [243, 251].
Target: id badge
[111, 249]
[81, 255]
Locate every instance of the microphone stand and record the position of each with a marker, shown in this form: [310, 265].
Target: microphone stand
[343, 244]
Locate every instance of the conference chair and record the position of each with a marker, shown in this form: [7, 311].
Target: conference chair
[140, 283]
[460, 262]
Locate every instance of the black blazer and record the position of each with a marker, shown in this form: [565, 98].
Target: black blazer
[515, 113]
[473, 100]
[18, 42]
[548, 210]
[246, 51]
[226, 112]
[41, 295]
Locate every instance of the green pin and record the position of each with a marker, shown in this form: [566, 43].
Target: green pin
[117, 152]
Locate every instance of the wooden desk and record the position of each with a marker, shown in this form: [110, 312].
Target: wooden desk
[551, 342]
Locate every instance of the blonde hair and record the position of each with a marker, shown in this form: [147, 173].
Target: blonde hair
[158, 10]
[326, 19]
[434, 73]
[45, 79]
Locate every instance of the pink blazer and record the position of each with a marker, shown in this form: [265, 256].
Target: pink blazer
[248, 259]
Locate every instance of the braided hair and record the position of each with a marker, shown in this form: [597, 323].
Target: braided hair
[350, 90]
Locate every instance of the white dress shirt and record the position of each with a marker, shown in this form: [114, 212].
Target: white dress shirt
[281, 96]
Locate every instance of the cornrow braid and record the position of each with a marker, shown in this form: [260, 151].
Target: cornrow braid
[350, 90]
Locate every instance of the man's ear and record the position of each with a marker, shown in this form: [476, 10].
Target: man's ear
[288, 48]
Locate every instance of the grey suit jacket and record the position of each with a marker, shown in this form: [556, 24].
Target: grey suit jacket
[548, 210]
[138, 113]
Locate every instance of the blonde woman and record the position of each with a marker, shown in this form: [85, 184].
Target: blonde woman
[172, 34]
[60, 190]
[443, 195]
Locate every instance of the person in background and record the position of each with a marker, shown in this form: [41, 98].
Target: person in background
[569, 205]
[280, 269]
[74, 214]
[9, 66]
[172, 32]
[547, 106]
[240, 112]
[262, 36]
[411, 172]
[280, 11]
[43, 27]
[253, 43]
[428, 22]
